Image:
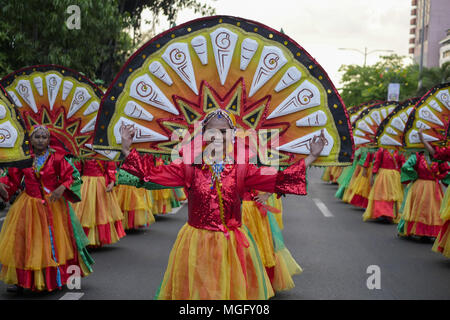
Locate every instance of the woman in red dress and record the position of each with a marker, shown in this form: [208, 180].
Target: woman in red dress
[214, 255]
[41, 242]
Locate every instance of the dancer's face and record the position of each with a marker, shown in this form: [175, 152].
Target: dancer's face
[219, 132]
[40, 140]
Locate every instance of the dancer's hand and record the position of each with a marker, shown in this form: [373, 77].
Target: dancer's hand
[3, 191]
[127, 134]
[110, 186]
[316, 146]
[262, 197]
[57, 193]
[429, 148]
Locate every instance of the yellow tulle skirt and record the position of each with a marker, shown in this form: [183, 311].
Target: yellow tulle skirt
[442, 242]
[335, 173]
[206, 265]
[421, 211]
[162, 201]
[326, 174]
[136, 205]
[361, 189]
[385, 197]
[26, 247]
[445, 206]
[99, 212]
[351, 186]
[276, 202]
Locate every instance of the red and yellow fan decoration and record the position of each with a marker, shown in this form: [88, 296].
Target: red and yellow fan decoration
[355, 111]
[270, 83]
[14, 143]
[432, 114]
[367, 123]
[390, 131]
[61, 99]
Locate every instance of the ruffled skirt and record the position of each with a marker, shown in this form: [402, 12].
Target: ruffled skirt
[385, 197]
[206, 265]
[442, 242]
[421, 211]
[27, 245]
[361, 190]
[99, 212]
[136, 205]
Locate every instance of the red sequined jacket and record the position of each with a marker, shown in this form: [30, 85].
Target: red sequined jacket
[203, 201]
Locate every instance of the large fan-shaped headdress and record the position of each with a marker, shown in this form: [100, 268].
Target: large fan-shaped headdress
[261, 76]
[14, 143]
[355, 111]
[432, 114]
[390, 131]
[63, 100]
[367, 123]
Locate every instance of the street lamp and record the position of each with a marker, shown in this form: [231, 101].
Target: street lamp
[365, 53]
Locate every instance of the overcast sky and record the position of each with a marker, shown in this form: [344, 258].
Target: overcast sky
[321, 27]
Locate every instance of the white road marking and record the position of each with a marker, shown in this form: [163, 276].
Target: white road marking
[1, 219]
[72, 296]
[323, 208]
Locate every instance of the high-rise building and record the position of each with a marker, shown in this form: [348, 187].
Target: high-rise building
[433, 18]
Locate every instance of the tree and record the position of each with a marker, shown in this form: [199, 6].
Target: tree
[361, 84]
[434, 76]
[35, 32]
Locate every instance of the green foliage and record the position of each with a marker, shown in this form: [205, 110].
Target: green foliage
[361, 84]
[35, 32]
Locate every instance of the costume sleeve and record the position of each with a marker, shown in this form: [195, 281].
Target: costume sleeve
[291, 180]
[69, 177]
[143, 167]
[110, 171]
[378, 161]
[368, 161]
[442, 153]
[444, 169]
[12, 179]
[400, 160]
[408, 171]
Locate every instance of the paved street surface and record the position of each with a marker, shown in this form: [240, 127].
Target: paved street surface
[327, 238]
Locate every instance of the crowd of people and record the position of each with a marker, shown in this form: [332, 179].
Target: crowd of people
[401, 187]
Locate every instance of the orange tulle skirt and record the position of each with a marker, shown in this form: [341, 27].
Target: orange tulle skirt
[206, 265]
[99, 212]
[385, 197]
[136, 205]
[335, 173]
[421, 210]
[26, 246]
[162, 201]
[326, 174]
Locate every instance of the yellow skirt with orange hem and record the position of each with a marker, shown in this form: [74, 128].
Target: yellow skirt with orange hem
[136, 206]
[442, 242]
[162, 203]
[27, 243]
[206, 265]
[421, 215]
[326, 174]
[99, 212]
[385, 197]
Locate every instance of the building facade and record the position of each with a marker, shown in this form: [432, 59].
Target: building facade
[433, 18]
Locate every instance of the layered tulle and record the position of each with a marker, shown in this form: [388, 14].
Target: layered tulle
[385, 197]
[326, 174]
[351, 185]
[163, 201]
[421, 211]
[361, 189]
[136, 206]
[26, 243]
[206, 265]
[335, 173]
[275, 201]
[99, 212]
[442, 242]
[445, 207]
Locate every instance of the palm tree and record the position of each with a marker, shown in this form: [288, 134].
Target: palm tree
[434, 76]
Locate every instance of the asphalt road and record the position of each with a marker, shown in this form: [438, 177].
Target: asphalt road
[328, 239]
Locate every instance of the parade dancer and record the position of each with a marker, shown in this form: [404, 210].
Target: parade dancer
[99, 211]
[442, 242]
[214, 256]
[423, 201]
[386, 193]
[41, 237]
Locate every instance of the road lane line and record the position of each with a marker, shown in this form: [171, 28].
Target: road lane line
[72, 296]
[323, 208]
